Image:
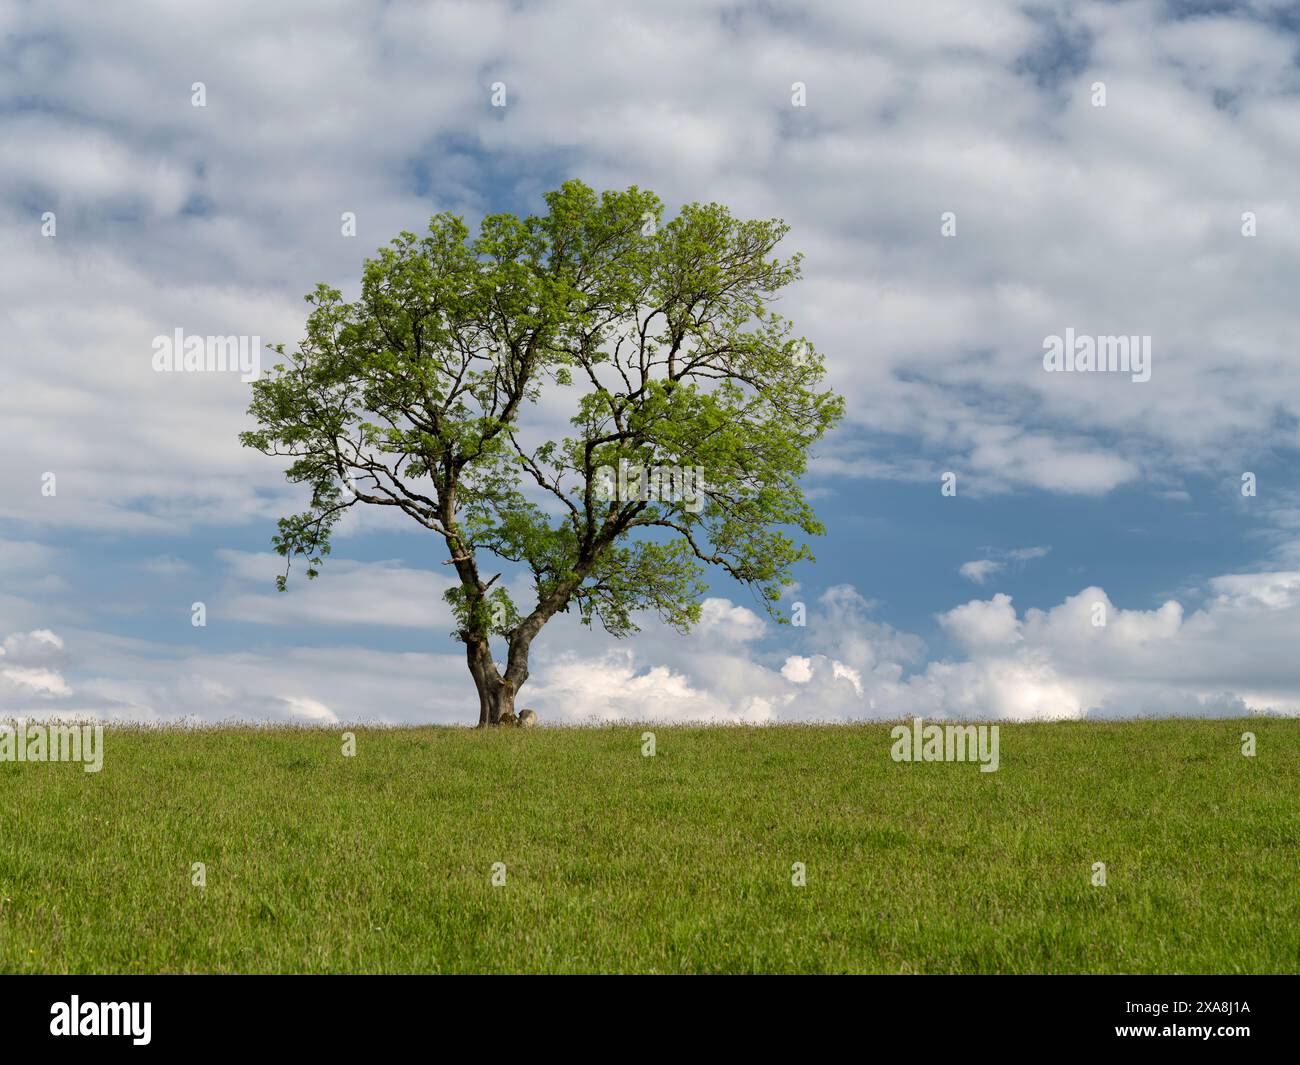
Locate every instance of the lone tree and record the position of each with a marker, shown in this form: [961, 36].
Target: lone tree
[693, 412]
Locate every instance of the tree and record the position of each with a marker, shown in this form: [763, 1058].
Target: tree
[693, 412]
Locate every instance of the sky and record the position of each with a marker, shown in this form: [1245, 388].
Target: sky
[964, 181]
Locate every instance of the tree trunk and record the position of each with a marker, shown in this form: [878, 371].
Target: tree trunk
[496, 694]
[501, 705]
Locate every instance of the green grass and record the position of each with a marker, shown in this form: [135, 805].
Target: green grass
[677, 863]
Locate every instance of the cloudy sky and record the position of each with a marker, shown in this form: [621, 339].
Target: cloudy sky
[1169, 212]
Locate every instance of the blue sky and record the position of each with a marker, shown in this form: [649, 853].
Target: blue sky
[1073, 489]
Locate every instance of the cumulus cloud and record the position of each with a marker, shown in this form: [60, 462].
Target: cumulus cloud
[39, 644]
[1233, 655]
[1229, 657]
[27, 673]
[983, 625]
[727, 621]
[611, 688]
[173, 216]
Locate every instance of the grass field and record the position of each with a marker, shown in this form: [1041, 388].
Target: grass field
[681, 862]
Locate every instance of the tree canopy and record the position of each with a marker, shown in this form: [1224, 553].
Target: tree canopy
[442, 391]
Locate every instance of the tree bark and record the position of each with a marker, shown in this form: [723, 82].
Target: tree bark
[496, 694]
[496, 704]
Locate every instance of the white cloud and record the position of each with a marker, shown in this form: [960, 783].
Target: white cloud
[982, 625]
[797, 669]
[37, 644]
[1251, 590]
[26, 661]
[311, 710]
[176, 216]
[692, 100]
[1233, 655]
[980, 570]
[724, 620]
[24, 681]
[611, 688]
[347, 592]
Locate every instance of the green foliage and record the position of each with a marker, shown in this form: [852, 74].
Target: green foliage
[415, 396]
